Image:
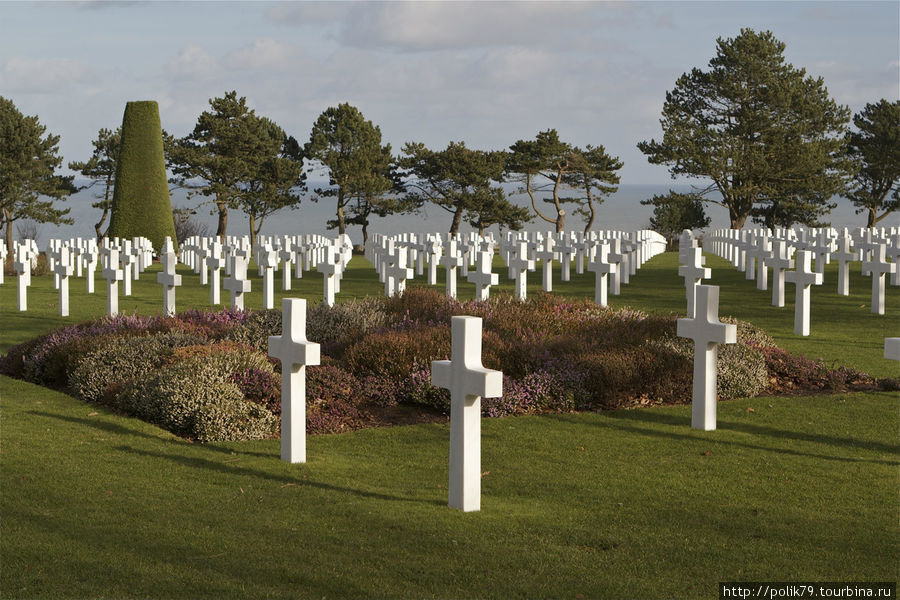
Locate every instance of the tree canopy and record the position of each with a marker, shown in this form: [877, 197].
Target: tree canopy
[675, 212]
[876, 147]
[461, 181]
[349, 146]
[768, 137]
[246, 162]
[28, 161]
[100, 168]
[547, 164]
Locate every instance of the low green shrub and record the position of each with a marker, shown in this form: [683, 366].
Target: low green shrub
[198, 398]
[256, 329]
[123, 359]
[394, 353]
[336, 327]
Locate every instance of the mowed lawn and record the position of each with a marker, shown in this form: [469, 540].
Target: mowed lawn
[604, 505]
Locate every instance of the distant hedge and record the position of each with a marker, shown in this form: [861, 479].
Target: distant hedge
[141, 204]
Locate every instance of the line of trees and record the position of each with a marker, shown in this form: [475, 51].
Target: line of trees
[767, 142]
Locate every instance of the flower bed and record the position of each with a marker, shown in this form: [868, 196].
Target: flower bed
[206, 375]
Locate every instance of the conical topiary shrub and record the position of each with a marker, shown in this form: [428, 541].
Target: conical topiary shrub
[141, 204]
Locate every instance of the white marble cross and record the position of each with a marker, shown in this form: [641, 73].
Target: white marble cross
[468, 381]
[763, 254]
[602, 268]
[802, 278]
[22, 265]
[90, 258]
[451, 261]
[546, 255]
[433, 251]
[617, 257]
[113, 275]
[566, 252]
[779, 262]
[286, 254]
[396, 270]
[126, 258]
[167, 277]
[482, 276]
[329, 269]
[295, 353]
[844, 256]
[63, 271]
[238, 284]
[707, 332]
[3, 254]
[519, 265]
[268, 262]
[822, 251]
[693, 272]
[878, 267]
[215, 262]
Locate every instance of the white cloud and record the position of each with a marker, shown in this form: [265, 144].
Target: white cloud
[193, 62]
[263, 54]
[42, 75]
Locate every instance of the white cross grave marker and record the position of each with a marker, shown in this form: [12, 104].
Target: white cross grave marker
[878, 267]
[268, 262]
[22, 265]
[295, 353]
[113, 275]
[215, 262]
[451, 261]
[519, 265]
[602, 268]
[468, 381]
[238, 284]
[329, 269]
[844, 256]
[693, 272]
[707, 332]
[167, 277]
[779, 262]
[545, 254]
[482, 276]
[63, 271]
[802, 278]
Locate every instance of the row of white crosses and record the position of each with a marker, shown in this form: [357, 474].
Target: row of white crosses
[464, 375]
[877, 249]
[79, 258]
[294, 254]
[612, 256]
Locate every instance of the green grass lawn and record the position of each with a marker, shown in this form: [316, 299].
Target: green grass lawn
[604, 505]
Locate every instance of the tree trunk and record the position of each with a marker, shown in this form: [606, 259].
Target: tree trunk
[365, 232]
[98, 226]
[872, 218]
[223, 218]
[340, 213]
[7, 216]
[457, 218]
[590, 222]
[253, 229]
[560, 221]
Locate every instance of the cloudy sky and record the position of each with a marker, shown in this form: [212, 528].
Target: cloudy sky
[484, 73]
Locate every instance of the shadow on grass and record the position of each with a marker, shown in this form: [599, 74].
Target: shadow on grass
[761, 430]
[618, 420]
[202, 463]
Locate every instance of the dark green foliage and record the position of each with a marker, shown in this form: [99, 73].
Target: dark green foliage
[141, 204]
[359, 167]
[461, 181]
[28, 160]
[876, 145]
[101, 168]
[675, 212]
[768, 138]
[547, 164]
[394, 353]
[241, 160]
